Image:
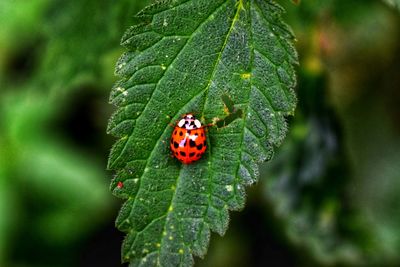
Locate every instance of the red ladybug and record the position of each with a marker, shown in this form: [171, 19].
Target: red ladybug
[188, 140]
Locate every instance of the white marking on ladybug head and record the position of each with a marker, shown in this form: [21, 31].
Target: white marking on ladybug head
[197, 123]
[189, 122]
[181, 123]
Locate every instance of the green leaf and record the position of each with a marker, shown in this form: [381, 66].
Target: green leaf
[196, 56]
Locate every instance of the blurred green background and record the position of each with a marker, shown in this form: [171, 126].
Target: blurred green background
[330, 197]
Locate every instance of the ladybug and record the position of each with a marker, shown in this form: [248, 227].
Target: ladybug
[188, 140]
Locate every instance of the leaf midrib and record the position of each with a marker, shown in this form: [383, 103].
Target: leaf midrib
[205, 90]
[234, 20]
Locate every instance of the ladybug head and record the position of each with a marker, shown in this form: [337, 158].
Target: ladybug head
[189, 122]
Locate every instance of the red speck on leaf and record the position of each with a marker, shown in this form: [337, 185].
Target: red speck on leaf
[120, 185]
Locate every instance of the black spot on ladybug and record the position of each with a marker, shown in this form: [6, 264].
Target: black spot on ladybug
[198, 155]
[205, 143]
[176, 145]
[176, 153]
[175, 132]
[191, 154]
[180, 133]
[196, 134]
[192, 143]
[172, 141]
[199, 147]
[183, 154]
[202, 135]
[189, 131]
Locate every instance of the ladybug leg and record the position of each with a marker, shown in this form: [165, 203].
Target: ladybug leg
[171, 155]
[166, 142]
[208, 125]
[166, 145]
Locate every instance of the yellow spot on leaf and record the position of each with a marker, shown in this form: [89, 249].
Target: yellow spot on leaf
[245, 75]
[226, 110]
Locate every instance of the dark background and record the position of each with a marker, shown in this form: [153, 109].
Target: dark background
[330, 196]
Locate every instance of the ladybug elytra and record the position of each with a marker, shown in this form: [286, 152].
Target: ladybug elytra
[188, 141]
